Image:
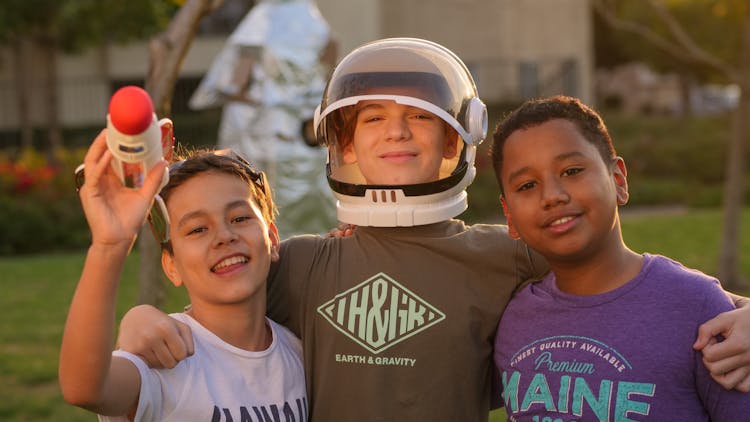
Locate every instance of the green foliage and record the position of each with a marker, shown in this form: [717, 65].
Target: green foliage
[692, 150]
[39, 207]
[75, 24]
[655, 191]
[715, 26]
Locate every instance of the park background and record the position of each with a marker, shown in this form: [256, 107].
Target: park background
[671, 110]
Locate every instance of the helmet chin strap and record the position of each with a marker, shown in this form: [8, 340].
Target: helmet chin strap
[404, 215]
[390, 206]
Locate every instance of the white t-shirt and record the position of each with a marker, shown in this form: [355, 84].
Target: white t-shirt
[223, 382]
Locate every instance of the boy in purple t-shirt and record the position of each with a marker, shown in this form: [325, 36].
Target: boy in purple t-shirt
[608, 334]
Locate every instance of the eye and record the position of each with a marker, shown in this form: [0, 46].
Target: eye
[368, 116]
[526, 186]
[422, 116]
[242, 218]
[196, 230]
[572, 171]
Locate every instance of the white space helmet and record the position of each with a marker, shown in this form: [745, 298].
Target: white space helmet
[415, 73]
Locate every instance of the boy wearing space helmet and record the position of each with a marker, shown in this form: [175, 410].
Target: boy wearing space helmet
[398, 320]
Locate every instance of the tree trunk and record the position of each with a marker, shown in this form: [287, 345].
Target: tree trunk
[151, 283]
[52, 109]
[729, 264]
[734, 189]
[687, 83]
[166, 53]
[22, 75]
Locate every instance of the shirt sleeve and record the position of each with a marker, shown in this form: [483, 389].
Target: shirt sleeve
[149, 398]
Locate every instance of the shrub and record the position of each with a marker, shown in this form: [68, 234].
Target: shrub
[39, 207]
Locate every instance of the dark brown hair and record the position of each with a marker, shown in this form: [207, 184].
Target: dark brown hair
[538, 111]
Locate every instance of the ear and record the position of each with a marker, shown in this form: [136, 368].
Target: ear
[273, 234]
[451, 143]
[620, 176]
[170, 268]
[512, 232]
[348, 154]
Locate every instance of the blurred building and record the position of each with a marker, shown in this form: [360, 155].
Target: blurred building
[515, 49]
[635, 88]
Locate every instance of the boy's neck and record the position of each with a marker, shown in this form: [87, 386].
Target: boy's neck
[239, 326]
[597, 274]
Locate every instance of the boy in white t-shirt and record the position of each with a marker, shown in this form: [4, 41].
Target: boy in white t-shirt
[220, 245]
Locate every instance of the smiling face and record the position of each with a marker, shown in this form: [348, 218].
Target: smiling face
[559, 195]
[222, 246]
[396, 144]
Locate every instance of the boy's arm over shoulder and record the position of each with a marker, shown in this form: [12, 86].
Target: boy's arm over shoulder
[729, 360]
[722, 404]
[530, 265]
[160, 340]
[739, 301]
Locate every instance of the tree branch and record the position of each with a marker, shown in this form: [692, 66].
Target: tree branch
[168, 49]
[682, 47]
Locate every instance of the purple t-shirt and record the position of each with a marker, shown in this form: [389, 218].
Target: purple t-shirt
[625, 355]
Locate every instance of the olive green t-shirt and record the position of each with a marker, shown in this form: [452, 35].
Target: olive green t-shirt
[398, 324]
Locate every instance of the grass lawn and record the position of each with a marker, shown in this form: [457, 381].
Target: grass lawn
[36, 294]
[37, 291]
[690, 237]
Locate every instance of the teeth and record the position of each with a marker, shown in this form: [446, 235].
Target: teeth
[561, 221]
[230, 261]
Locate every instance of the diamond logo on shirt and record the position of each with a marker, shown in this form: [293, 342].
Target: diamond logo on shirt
[379, 312]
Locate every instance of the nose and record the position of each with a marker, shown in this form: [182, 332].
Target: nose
[224, 235]
[554, 193]
[397, 129]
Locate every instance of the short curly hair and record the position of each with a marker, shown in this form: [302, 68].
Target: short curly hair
[538, 111]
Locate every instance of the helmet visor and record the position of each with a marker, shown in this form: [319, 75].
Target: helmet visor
[424, 71]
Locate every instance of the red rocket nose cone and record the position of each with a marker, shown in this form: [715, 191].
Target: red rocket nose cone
[131, 110]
